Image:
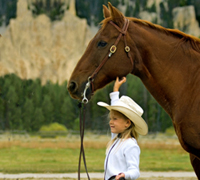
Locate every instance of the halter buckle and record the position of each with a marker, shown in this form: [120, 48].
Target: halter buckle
[127, 48]
[113, 49]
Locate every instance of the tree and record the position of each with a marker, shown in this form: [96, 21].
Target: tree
[27, 105]
[16, 119]
[54, 94]
[69, 112]
[2, 109]
[38, 119]
[12, 114]
[7, 11]
[47, 108]
[37, 93]
[27, 114]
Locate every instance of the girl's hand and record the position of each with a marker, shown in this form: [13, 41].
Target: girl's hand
[118, 83]
[121, 175]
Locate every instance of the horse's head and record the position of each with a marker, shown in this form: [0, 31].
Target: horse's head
[100, 64]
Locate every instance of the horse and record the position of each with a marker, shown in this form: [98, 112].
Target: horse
[166, 60]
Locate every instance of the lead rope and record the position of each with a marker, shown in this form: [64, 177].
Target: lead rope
[82, 127]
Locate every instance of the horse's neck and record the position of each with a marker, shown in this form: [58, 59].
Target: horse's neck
[164, 69]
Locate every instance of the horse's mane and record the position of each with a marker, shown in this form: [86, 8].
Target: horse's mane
[194, 41]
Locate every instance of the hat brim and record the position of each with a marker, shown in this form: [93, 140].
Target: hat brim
[140, 125]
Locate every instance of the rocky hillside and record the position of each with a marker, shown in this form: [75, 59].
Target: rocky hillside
[37, 47]
[180, 14]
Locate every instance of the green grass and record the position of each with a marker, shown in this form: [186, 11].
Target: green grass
[62, 156]
[164, 160]
[19, 159]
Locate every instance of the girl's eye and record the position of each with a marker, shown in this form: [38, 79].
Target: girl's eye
[102, 44]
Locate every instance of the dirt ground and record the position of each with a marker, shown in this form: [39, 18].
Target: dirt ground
[150, 178]
[98, 176]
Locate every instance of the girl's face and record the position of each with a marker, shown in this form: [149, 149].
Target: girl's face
[118, 123]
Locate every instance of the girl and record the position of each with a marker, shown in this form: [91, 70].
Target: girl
[122, 154]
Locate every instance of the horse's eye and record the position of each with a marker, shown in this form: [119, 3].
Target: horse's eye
[102, 44]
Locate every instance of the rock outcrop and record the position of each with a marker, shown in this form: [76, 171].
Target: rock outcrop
[153, 17]
[184, 19]
[38, 48]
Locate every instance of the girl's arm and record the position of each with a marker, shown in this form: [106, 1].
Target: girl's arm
[114, 96]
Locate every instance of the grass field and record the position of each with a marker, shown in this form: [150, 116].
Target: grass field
[60, 155]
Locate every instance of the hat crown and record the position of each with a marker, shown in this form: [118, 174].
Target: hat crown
[132, 105]
[131, 110]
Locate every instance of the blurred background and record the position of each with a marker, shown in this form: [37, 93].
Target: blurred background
[41, 42]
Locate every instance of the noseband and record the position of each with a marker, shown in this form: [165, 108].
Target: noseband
[113, 48]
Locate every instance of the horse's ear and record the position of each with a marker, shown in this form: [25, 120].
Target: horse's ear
[116, 15]
[106, 12]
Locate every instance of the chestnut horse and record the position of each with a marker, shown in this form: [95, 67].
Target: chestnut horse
[167, 62]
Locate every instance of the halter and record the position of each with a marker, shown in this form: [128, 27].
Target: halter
[113, 48]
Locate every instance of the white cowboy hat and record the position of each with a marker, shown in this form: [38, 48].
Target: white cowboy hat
[131, 110]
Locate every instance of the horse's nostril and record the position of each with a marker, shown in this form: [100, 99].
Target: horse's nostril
[72, 87]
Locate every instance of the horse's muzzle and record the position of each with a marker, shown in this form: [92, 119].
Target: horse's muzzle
[79, 92]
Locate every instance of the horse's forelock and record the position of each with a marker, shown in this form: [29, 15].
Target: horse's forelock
[104, 22]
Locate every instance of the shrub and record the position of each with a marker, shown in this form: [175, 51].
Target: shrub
[52, 130]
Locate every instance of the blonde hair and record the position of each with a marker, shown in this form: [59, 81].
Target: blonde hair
[128, 133]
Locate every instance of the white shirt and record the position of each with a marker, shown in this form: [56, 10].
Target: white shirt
[124, 156]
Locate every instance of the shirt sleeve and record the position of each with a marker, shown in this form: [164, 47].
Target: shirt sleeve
[114, 97]
[132, 155]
